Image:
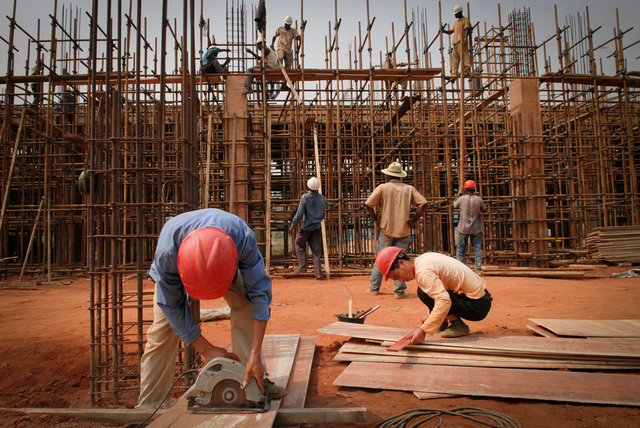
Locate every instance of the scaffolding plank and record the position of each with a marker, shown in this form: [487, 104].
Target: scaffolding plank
[615, 389]
[591, 328]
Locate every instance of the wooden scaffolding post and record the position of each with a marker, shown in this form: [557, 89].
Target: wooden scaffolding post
[325, 249]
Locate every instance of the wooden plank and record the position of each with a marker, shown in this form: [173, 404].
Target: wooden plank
[402, 343]
[541, 331]
[430, 395]
[299, 378]
[549, 385]
[591, 328]
[366, 352]
[107, 416]
[626, 348]
[494, 361]
[279, 351]
[335, 415]
[364, 331]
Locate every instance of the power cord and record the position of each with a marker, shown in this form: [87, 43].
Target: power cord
[167, 395]
[416, 417]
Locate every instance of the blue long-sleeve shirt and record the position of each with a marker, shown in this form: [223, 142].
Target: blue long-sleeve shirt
[170, 293]
[311, 206]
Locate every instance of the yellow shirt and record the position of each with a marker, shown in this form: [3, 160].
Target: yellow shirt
[437, 273]
[460, 30]
[394, 199]
[286, 38]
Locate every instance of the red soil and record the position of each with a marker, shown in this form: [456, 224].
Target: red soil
[44, 331]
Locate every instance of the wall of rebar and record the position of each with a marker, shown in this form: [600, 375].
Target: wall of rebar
[152, 142]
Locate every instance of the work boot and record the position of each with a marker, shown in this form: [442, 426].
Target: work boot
[372, 292]
[457, 328]
[300, 270]
[443, 326]
[400, 295]
[273, 391]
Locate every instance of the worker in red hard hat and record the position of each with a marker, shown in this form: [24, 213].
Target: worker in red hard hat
[205, 254]
[449, 289]
[470, 225]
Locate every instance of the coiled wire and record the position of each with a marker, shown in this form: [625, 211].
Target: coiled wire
[417, 417]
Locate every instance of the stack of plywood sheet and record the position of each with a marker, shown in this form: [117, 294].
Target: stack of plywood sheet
[585, 328]
[615, 244]
[499, 366]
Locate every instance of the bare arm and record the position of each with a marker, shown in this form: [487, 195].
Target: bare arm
[207, 350]
[373, 215]
[255, 368]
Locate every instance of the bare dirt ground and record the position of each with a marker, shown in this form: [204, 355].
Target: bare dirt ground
[44, 337]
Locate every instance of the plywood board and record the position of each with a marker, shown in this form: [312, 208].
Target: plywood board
[614, 347]
[591, 328]
[299, 378]
[365, 352]
[279, 352]
[541, 331]
[618, 389]
[364, 331]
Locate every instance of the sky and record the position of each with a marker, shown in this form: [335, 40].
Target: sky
[321, 15]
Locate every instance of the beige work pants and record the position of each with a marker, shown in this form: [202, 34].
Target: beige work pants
[455, 59]
[157, 366]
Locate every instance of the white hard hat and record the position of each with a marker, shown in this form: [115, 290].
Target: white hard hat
[288, 20]
[457, 9]
[313, 183]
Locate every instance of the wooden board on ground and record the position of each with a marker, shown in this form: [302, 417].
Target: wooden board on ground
[591, 328]
[375, 353]
[599, 388]
[279, 352]
[539, 330]
[431, 395]
[299, 378]
[615, 347]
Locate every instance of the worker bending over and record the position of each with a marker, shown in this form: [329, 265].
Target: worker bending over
[205, 254]
[448, 287]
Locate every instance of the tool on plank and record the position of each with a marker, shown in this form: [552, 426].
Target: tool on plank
[218, 388]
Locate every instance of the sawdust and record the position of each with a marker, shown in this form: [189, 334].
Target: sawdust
[44, 332]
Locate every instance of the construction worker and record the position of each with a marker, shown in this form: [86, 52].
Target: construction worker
[470, 223]
[205, 254]
[312, 206]
[449, 289]
[271, 61]
[461, 42]
[37, 87]
[286, 35]
[394, 198]
[210, 63]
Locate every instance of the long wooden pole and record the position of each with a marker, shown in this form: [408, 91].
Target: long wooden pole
[13, 162]
[322, 224]
[33, 232]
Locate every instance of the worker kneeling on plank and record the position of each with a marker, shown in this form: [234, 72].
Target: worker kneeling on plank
[205, 254]
[448, 287]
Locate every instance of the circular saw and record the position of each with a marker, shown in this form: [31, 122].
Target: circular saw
[218, 387]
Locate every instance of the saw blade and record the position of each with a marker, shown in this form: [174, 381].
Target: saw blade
[228, 393]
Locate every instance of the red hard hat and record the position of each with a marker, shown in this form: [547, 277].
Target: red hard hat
[207, 263]
[385, 259]
[469, 184]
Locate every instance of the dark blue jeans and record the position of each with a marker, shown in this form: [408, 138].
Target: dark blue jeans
[476, 241]
[461, 305]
